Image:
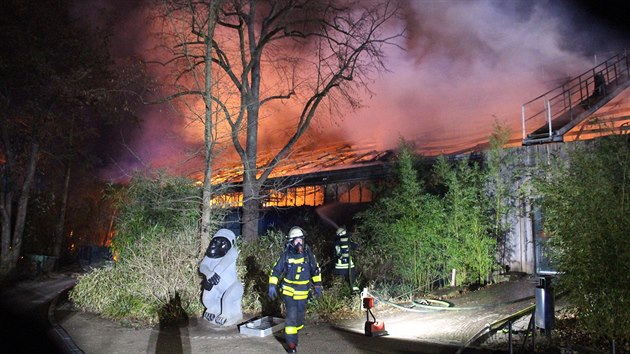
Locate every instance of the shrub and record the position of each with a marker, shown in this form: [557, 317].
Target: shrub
[466, 235]
[159, 202]
[257, 258]
[254, 264]
[155, 271]
[417, 237]
[337, 301]
[586, 208]
[504, 187]
[399, 234]
[157, 246]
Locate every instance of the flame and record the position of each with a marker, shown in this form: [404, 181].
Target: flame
[306, 159]
[442, 116]
[310, 195]
[228, 200]
[442, 91]
[108, 238]
[298, 196]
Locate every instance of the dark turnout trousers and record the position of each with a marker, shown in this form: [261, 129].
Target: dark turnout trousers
[295, 318]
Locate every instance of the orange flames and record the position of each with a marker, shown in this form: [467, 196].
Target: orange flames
[304, 196]
[299, 196]
[308, 160]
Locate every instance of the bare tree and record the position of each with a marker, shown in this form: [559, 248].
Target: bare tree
[56, 79]
[13, 220]
[188, 35]
[310, 55]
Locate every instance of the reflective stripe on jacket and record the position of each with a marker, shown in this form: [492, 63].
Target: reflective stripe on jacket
[297, 272]
[342, 249]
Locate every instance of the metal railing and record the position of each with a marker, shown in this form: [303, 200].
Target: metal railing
[544, 116]
[506, 323]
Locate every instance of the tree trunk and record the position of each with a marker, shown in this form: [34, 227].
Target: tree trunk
[13, 240]
[250, 219]
[59, 228]
[206, 209]
[6, 198]
[251, 183]
[251, 207]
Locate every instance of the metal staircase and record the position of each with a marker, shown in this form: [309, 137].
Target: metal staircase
[549, 116]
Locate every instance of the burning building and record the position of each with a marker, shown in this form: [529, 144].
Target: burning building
[580, 109]
[335, 174]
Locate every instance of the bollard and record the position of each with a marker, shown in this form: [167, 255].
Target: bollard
[544, 305]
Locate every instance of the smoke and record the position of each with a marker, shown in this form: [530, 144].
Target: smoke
[164, 139]
[468, 64]
[465, 65]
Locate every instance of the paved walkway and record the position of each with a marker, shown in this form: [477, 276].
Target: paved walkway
[26, 313]
[410, 331]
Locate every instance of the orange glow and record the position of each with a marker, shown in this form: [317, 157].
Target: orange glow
[228, 200]
[315, 195]
[305, 160]
[355, 194]
[108, 238]
[612, 118]
[598, 127]
[301, 162]
[275, 116]
[298, 196]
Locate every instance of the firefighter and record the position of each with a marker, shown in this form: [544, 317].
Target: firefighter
[299, 271]
[344, 265]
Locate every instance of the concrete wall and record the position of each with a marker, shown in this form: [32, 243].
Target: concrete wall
[522, 249]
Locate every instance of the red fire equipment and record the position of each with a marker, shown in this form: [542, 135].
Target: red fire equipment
[373, 328]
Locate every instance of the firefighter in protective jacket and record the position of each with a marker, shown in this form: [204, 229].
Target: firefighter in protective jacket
[343, 246]
[298, 271]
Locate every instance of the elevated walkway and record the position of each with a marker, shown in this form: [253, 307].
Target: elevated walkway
[550, 116]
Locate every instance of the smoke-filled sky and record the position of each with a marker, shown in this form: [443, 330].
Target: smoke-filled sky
[469, 63]
[466, 64]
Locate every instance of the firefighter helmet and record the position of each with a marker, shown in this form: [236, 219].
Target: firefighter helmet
[296, 232]
[341, 231]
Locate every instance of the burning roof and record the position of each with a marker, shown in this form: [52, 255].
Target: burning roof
[309, 160]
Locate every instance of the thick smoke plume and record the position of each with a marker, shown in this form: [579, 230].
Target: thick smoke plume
[471, 63]
[466, 64]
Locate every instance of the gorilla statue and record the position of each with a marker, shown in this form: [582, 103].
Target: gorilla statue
[222, 291]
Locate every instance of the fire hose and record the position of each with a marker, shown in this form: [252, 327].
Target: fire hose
[426, 304]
